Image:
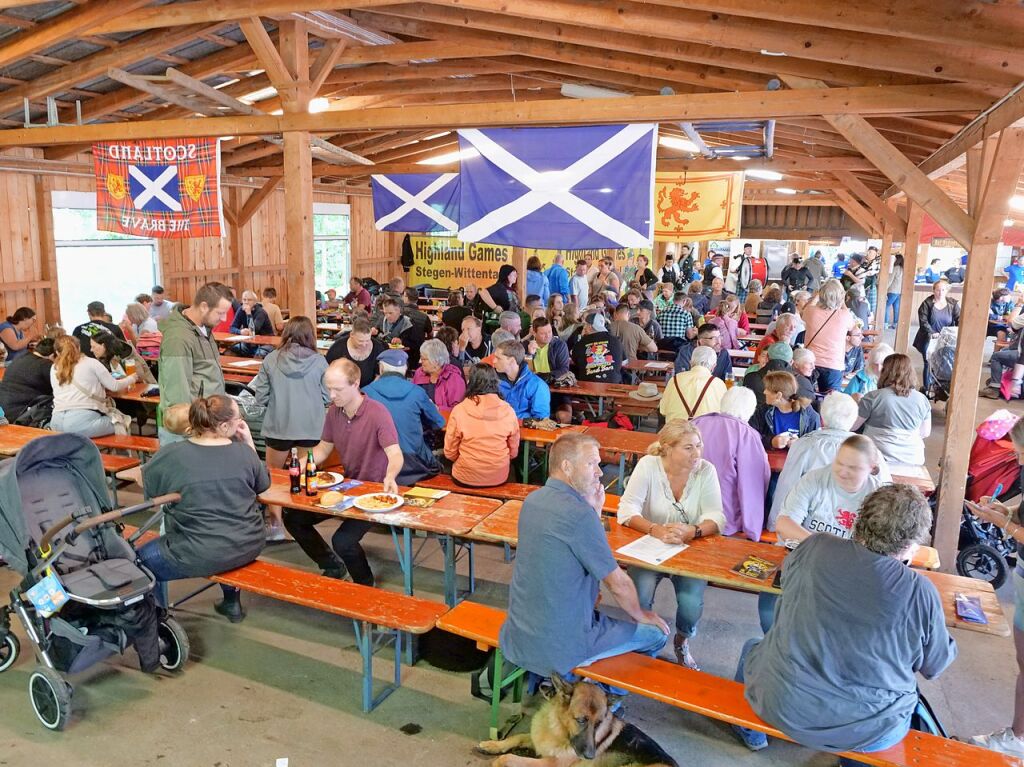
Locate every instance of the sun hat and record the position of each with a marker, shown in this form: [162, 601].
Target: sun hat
[646, 392]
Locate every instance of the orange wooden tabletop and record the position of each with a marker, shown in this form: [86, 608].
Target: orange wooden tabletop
[134, 394]
[623, 440]
[452, 515]
[222, 339]
[14, 438]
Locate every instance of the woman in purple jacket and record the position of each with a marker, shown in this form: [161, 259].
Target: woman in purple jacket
[442, 381]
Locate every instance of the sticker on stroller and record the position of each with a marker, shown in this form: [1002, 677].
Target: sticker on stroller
[47, 596]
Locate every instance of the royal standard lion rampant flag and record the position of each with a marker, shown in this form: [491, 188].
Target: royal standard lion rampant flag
[697, 206]
[159, 187]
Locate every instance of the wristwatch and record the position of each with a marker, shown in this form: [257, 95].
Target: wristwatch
[697, 532]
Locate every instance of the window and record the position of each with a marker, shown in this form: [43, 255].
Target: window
[331, 255]
[94, 265]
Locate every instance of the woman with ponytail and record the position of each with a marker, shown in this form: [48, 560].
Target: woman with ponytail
[80, 386]
[785, 415]
[674, 496]
[217, 525]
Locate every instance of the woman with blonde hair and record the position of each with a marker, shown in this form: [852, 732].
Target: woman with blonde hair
[674, 496]
[827, 323]
[785, 415]
[80, 386]
[569, 326]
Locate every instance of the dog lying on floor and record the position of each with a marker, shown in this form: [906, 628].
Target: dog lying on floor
[575, 726]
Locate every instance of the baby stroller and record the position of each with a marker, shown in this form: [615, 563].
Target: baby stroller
[941, 353]
[983, 551]
[57, 531]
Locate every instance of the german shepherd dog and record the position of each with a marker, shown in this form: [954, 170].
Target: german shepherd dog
[574, 727]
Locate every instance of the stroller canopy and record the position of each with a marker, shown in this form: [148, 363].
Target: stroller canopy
[71, 453]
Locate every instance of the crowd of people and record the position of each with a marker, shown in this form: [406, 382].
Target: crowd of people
[395, 401]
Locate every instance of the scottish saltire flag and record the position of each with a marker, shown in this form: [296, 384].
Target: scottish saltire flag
[567, 188]
[159, 187]
[416, 202]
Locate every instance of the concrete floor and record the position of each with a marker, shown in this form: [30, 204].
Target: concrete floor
[285, 685]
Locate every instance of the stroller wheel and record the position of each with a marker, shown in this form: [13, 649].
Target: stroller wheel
[981, 561]
[51, 698]
[9, 649]
[174, 647]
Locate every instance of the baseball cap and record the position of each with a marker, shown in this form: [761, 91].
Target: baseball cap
[596, 321]
[394, 357]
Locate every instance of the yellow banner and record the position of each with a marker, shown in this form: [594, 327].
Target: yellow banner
[697, 206]
[445, 262]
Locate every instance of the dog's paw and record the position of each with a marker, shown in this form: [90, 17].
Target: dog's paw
[490, 747]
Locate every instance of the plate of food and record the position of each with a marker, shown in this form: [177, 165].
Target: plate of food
[378, 503]
[325, 479]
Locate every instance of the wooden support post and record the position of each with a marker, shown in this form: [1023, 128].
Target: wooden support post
[911, 257]
[47, 249]
[979, 165]
[885, 269]
[1008, 162]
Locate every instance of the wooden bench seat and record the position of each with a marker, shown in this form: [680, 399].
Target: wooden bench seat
[129, 442]
[112, 464]
[373, 612]
[708, 695]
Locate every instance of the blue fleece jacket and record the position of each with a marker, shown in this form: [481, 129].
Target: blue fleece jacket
[558, 280]
[413, 412]
[529, 396]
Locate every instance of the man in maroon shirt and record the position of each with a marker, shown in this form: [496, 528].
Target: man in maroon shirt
[358, 296]
[363, 434]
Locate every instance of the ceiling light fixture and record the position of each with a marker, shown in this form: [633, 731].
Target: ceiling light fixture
[767, 175]
[785, 190]
[738, 157]
[575, 91]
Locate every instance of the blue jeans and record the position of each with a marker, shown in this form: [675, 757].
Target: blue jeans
[892, 300]
[165, 570]
[766, 602]
[689, 596]
[829, 379]
[88, 423]
[647, 639]
[1000, 361]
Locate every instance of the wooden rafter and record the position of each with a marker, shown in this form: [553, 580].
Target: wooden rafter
[873, 202]
[858, 212]
[893, 100]
[255, 199]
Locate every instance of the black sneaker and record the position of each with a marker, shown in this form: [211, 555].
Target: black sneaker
[338, 573]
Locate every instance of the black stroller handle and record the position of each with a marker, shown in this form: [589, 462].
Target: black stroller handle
[44, 543]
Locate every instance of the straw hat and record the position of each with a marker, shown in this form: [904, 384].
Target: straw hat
[646, 392]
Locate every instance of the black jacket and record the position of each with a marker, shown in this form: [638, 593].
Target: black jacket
[924, 316]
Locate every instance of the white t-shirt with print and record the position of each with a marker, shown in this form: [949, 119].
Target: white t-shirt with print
[819, 505]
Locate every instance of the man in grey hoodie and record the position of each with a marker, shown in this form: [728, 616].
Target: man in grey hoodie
[189, 358]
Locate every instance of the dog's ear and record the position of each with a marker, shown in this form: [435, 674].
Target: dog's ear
[560, 685]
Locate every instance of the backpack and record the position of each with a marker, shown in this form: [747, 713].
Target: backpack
[38, 413]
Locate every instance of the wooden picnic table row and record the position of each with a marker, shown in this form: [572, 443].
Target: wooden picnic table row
[713, 559]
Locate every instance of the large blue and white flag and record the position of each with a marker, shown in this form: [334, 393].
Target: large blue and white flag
[568, 188]
[416, 202]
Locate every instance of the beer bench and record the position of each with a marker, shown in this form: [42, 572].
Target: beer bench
[142, 446]
[696, 691]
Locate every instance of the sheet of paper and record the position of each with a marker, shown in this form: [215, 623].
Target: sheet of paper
[909, 470]
[237, 338]
[245, 363]
[658, 365]
[650, 550]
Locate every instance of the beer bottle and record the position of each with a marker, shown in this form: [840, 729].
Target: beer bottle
[311, 483]
[294, 474]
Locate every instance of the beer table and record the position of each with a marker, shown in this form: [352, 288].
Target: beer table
[625, 443]
[240, 369]
[903, 474]
[653, 368]
[13, 438]
[451, 517]
[618, 393]
[713, 558]
[230, 339]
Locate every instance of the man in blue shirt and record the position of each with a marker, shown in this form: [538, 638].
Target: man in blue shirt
[839, 266]
[707, 335]
[563, 557]
[558, 277]
[1014, 273]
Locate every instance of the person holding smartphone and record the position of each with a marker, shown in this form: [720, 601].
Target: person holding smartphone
[1009, 740]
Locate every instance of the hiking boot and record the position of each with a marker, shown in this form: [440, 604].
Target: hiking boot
[337, 572]
[752, 739]
[231, 608]
[1004, 742]
[681, 645]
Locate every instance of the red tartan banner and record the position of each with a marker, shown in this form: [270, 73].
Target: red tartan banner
[159, 187]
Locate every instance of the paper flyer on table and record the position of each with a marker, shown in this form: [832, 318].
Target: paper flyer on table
[245, 363]
[650, 550]
[237, 338]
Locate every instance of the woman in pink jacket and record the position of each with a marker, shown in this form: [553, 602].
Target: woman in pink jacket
[442, 380]
[482, 436]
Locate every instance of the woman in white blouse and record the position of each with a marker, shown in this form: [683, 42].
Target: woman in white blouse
[80, 386]
[674, 496]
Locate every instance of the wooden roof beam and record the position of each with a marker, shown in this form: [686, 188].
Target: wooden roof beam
[881, 211]
[858, 213]
[748, 105]
[404, 53]
[920, 58]
[500, 31]
[950, 22]
[897, 167]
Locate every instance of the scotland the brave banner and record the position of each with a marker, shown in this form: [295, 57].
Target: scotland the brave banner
[416, 202]
[568, 188]
[159, 188]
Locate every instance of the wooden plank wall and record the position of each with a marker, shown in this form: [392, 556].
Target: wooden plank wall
[23, 279]
[374, 254]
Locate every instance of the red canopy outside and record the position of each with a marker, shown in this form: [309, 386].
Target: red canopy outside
[930, 230]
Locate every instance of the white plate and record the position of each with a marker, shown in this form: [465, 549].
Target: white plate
[336, 479]
[360, 503]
